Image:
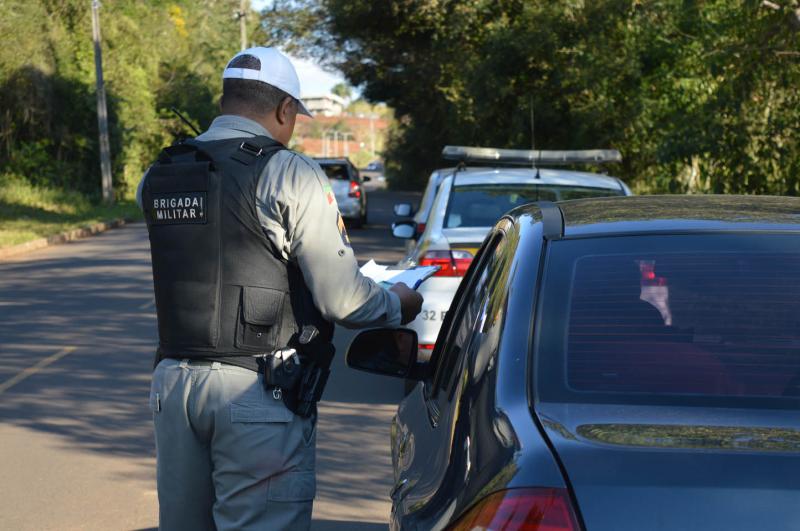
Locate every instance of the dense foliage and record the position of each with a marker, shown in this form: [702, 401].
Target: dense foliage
[156, 54]
[699, 95]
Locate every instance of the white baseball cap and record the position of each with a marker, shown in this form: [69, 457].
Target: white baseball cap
[267, 65]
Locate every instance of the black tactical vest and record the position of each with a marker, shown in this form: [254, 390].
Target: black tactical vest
[222, 292]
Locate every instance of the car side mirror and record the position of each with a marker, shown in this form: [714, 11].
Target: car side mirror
[367, 178]
[403, 210]
[386, 351]
[404, 229]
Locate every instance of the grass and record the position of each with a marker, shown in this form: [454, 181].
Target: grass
[29, 212]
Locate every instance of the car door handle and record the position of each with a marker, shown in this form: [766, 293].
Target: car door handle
[398, 489]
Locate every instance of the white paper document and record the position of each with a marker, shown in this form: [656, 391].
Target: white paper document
[386, 276]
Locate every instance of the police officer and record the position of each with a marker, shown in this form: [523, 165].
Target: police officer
[250, 256]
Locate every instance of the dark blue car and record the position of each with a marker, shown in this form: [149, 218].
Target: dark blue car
[620, 364]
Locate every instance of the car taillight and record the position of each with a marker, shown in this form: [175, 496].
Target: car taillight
[355, 190]
[536, 509]
[420, 229]
[462, 260]
[451, 263]
[425, 346]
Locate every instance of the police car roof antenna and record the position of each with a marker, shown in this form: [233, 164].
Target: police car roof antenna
[185, 120]
[533, 143]
[459, 167]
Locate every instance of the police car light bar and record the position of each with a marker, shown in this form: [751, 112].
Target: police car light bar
[530, 157]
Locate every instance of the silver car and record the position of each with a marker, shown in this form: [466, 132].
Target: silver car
[348, 187]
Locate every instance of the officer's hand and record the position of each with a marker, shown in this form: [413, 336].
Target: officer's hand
[410, 302]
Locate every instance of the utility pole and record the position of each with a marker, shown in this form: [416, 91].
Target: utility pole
[326, 143]
[372, 134]
[102, 109]
[345, 137]
[244, 7]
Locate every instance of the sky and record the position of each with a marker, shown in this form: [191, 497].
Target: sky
[314, 81]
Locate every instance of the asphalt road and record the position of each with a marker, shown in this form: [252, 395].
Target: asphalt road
[77, 333]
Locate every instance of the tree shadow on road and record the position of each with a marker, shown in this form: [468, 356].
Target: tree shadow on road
[96, 396]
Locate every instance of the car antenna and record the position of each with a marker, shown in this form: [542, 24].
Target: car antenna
[533, 142]
[185, 120]
[459, 167]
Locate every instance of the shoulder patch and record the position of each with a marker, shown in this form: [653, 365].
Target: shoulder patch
[342, 229]
[326, 188]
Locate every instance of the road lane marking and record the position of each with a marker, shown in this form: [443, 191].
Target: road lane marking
[30, 371]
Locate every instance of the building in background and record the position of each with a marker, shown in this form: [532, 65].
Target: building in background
[358, 132]
[325, 105]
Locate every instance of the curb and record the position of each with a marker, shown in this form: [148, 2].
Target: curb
[64, 237]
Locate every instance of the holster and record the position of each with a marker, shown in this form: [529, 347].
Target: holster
[317, 358]
[315, 367]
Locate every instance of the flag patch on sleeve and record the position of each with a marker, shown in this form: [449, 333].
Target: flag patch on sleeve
[329, 194]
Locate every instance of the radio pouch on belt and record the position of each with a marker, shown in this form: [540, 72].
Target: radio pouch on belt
[282, 371]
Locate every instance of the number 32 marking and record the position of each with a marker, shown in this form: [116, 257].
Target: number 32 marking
[433, 315]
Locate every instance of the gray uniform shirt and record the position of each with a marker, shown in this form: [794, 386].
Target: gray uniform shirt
[299, 215]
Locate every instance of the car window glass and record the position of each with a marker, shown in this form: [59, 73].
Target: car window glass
[689, 320]
[427, 198]
[482, 205]
[439, 206]
[336, 171]
[567, 193]
[468, 311]
[485, 337]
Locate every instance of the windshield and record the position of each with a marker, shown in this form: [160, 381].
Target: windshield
[673, 319]
[483, 205]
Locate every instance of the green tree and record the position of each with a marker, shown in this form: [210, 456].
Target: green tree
[156, 55]
[699, 95]
[342, 90]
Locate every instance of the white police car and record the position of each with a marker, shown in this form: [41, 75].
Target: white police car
[468, 201]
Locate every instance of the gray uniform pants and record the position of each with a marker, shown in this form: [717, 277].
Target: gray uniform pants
[230, 456]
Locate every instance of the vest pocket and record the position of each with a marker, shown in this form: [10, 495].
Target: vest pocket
[259, 318]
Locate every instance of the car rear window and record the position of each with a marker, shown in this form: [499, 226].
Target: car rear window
[672, 319]
[483, 205]
[336, 171]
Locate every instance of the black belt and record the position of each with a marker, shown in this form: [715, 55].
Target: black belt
[244, 361]
[206, 362]
[198, 361]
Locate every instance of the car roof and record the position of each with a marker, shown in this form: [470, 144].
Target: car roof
[322, 161]
[675, 213]
[545, 176]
